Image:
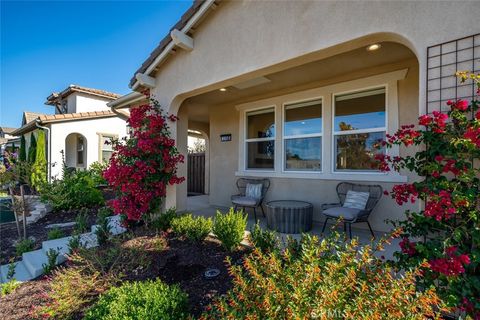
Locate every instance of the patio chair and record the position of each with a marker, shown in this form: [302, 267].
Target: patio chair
[251, 194]
[356, 203]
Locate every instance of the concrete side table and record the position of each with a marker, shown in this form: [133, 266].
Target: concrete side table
[289, 216]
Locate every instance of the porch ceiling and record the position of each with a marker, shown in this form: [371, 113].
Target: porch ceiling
[312, 72]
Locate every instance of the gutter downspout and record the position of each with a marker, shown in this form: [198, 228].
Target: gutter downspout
[49, 136]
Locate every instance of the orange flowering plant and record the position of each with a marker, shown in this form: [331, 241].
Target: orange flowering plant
[327, 279]
[446, 231]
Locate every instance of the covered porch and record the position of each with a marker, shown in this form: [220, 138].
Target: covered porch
[305, 127]
[199, 206]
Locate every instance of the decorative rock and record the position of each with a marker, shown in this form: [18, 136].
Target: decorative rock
[31, 265]
[61, 225]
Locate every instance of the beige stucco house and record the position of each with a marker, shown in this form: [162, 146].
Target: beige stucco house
[306, 89]
[82, 126]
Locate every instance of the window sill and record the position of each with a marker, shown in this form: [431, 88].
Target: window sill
[338, 176]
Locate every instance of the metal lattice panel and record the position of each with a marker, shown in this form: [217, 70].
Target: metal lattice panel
[443, 60]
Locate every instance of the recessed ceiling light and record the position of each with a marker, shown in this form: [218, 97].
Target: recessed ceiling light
[374, 47]
[223, 89]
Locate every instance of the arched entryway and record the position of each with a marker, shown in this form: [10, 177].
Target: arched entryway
[76, 151]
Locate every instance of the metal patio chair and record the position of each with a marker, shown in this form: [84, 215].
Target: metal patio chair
[243, 201]
[351, 215]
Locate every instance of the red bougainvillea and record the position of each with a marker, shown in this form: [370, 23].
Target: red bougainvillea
[446, 229]
[144, 164]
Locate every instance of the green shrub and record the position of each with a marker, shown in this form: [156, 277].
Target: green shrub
[90, 273]
[52, 256]
[330, 279]
[39, 168]
[96, 170]
[9, 287]
[164, 221]
[230, 228]
[32, 150]
[76, 190]
[55, 233]
[147, 300]
[103, 230]
[74, 243]
[81, 220]
[23, 246]
[193, 228]
[265, 240]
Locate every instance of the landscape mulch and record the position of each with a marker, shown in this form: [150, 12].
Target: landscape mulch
[178, 262]
[37, 231]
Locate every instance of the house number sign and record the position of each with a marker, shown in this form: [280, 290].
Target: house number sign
[226, 137]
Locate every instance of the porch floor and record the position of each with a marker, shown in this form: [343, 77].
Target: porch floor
[199, 205]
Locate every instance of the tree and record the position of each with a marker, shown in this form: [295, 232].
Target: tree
[22, 156]
[39, 169]
[32, 150]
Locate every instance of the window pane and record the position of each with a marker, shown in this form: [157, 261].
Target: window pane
[79, 144]
[261, 124]
[79, 157]
[361, 110]
[357, 151]
[106, 155]
[303, 154]
[260, 154]
[303, 118]
[107, 143]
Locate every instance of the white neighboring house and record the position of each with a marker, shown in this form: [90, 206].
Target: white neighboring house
[7, 139]
[83, 126]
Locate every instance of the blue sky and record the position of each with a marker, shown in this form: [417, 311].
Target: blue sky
[46, 46]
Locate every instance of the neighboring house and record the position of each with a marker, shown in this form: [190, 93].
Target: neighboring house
[83, 127]
[306, 89]
[7, 139]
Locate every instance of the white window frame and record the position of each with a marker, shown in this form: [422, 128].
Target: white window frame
[299, 136]
[358, 131]
[260, 110]
[389, 80]
[101, 136]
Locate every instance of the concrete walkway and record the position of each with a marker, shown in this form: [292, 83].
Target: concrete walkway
[31, 265]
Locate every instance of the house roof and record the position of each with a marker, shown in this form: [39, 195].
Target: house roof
[46, 119]
[8, 130]
[167, 39]
[30, 116]
[56, 96]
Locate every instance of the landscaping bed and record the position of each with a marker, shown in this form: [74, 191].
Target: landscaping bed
[37, 231]
[164, 256]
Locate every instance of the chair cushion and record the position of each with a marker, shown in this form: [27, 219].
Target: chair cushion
[346, 213]
[356, 200]
[253, 190]
[244, 201]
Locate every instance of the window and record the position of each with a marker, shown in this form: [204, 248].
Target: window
[80, 150]
[107, 148]
[302, 135]
[64, 107]
[260, 139]
[359, 127]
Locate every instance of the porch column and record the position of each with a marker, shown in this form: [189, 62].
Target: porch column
[177, 194]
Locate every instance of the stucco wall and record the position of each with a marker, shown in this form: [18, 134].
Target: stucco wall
[90, 129]
[86, 103]
[225, 156]
[244, 39]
